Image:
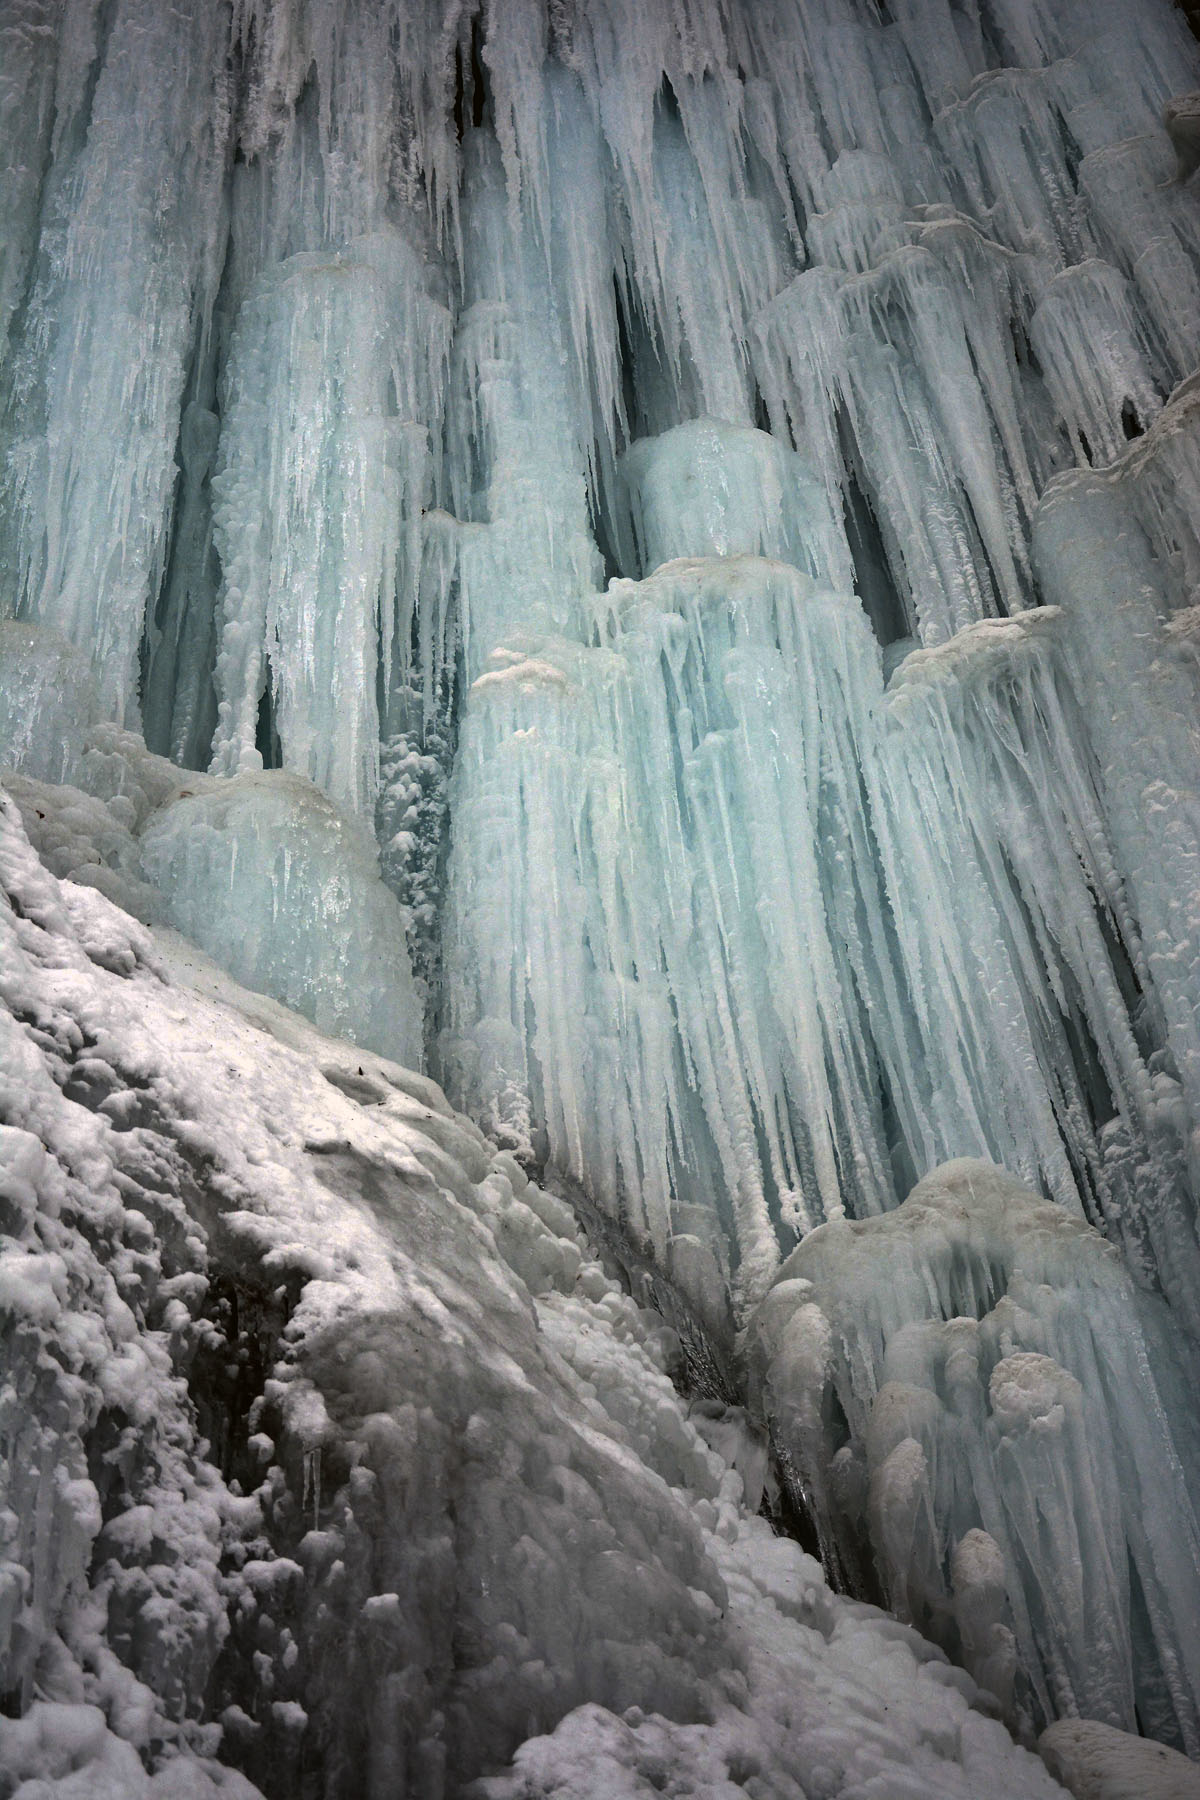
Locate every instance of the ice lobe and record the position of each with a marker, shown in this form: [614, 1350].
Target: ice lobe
[283, 890]
[1097, 1762]
[980, 1404]
[712, 489]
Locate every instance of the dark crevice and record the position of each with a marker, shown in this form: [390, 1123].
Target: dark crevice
[266, 735]
[881, 599]
[1131, 423]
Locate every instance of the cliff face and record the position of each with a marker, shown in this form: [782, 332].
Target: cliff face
[643, 562]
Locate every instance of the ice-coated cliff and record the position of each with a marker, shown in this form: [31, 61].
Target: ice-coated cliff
[636, 566]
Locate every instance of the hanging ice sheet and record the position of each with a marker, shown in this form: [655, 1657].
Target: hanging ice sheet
[324, 468]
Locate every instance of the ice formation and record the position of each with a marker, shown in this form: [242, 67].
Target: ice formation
[968, 1380]
[642, 560]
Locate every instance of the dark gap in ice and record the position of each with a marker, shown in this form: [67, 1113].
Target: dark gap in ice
[266, 735]
[1084, 1062]
[470, 106]
[877, 590]
[1154, 1709]
[1132, 992]
[1023, 349]
[1131, 423]
[709, 1369]
[972, 1287]
[471, 92]
[667, 102]
[979, 559]
[839, 1425]
[460, 89]
[783, 1506]
[627, 361]
[480, 91]
[900, 1158]
[785, 1233]
[232, 1363]
[604, 532]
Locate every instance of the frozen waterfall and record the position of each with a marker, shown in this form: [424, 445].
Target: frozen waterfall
[599, 658]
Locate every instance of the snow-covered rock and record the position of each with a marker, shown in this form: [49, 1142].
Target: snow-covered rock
[327, 1445]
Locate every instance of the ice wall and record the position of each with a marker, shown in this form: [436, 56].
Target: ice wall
[714, 490]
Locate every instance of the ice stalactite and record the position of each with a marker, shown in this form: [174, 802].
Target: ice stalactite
[124, 283]
[267, 873]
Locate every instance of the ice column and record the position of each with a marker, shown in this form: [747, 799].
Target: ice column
[126, 278]
[892, 348]
[1003, 873]
[668, 970]
[519, 434]
[333, 378]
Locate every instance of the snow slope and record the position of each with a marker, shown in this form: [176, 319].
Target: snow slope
[330, 1452]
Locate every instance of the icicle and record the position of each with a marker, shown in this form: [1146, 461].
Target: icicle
[133, 216]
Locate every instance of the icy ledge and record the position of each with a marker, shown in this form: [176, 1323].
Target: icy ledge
[328, 1448]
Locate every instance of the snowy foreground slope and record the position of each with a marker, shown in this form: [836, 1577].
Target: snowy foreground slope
[329, 1449]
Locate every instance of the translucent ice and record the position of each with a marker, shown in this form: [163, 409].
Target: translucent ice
[975, 1394]
[714, 487]
[284, 891]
